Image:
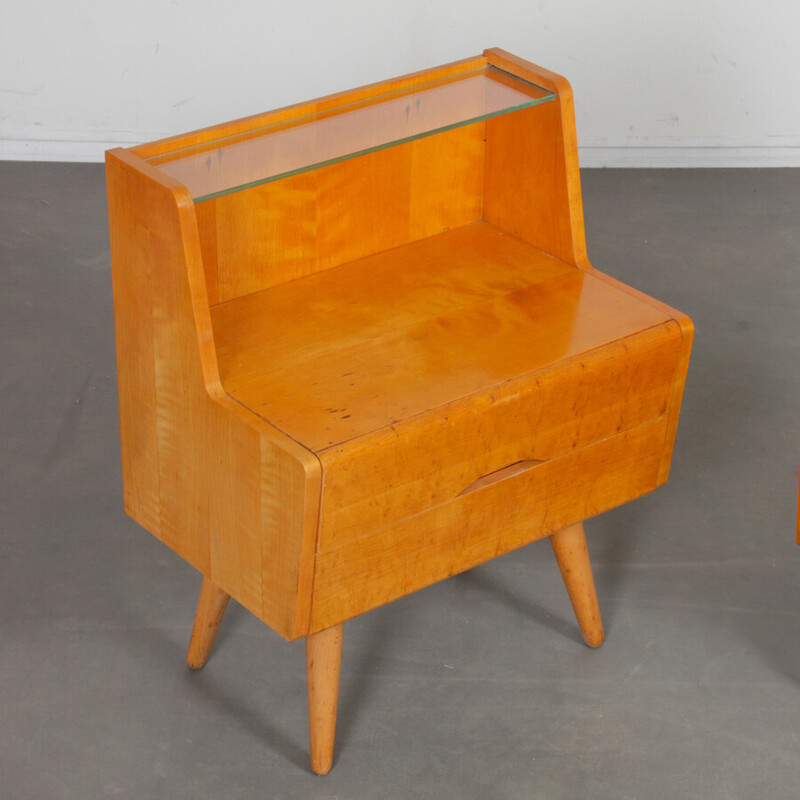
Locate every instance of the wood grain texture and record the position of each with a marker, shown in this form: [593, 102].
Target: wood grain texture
[469, 530]
[343, 386]
[205, 498]
[572, 555]
[206, 220]
[401, 470]
[274, 233]
[132, 264]
[446, 181]
[552, 216]
[463, 340]
[211, 607]
[419, 343]
[264, 236]
[532, 186]
[686, 327]
[341, 354]
[323, 664]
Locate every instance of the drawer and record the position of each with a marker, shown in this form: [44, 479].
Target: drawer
[485, 522]
[430, 459]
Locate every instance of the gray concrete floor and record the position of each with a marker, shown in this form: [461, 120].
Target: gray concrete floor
[475, 688]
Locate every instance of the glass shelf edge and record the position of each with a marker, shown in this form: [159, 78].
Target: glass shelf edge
[383, 146]
[309, 117]
[169, 155]
[181, 163]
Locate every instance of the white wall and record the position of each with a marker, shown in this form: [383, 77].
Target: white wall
[657, 82]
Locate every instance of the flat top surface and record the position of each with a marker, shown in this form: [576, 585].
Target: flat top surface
[287, 148]
[478, 687]
[353, 349]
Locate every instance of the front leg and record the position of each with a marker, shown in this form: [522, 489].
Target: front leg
[323, 661]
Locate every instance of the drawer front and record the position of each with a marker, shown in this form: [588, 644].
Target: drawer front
[377, 480]
[486, 522]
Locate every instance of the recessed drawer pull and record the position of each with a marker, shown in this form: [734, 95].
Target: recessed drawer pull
[501, 474]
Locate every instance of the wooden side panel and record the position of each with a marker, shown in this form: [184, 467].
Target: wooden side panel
[290, 503]
[280, 231]
[532, 185]
[397, 472]
[678, 384]
[478, 526]
[233, 497]
[131, 270]
[185, 497]
[526, 193]
[686, 327]
[559, 228]
[236, 523]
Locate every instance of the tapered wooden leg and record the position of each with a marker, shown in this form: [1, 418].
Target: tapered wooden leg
[210, 607]
[569, 545]
[323, 659]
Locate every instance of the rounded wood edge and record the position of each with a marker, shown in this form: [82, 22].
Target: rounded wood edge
[682, 320]
[562, 88]
[126, 159]
[529, 71]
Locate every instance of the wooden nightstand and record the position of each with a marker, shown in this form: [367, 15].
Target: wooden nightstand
[361, 349]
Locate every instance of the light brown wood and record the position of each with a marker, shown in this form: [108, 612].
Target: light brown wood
[274, 233]
[406, 468]
[323, 662]
[552, 216]
[533, 186]
[211, 607]
[456, 535]
[343, 386]
[477, 323]
[474, 309]
[226, 490]
[686, 327]
[572, 555]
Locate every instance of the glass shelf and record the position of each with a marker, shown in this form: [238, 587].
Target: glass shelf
[288, 148]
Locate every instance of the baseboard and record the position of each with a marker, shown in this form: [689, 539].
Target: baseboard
[689, 157]
[590, 156]
[57, 149]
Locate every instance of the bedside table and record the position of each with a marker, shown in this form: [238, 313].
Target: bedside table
[361, 349]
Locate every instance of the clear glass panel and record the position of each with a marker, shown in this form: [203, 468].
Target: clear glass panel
[298, 145]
